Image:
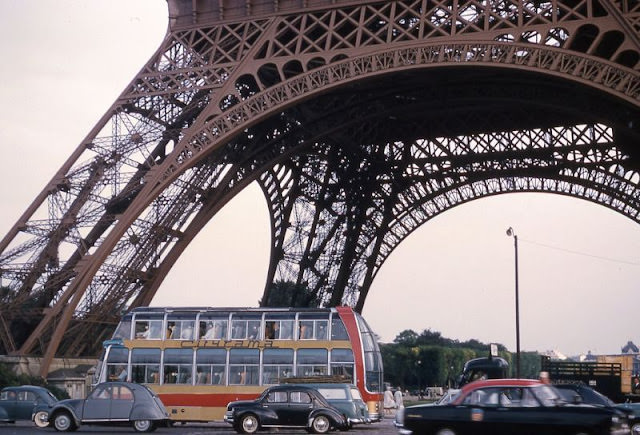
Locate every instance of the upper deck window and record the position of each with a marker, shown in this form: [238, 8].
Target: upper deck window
[313, 326]
[149, 326]
[246, 326]
[181, 326]
[214, 326]
[279, 326]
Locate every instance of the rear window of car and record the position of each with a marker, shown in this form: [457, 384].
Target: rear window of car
[333, 393]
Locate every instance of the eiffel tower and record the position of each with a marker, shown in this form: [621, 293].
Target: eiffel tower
[359, 119]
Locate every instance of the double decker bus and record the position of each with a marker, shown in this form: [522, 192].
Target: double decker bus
[199, 359]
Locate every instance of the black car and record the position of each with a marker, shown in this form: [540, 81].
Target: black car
[26, 402]
[510, 406]
[580, 393]
[111, 403]
[285, 405]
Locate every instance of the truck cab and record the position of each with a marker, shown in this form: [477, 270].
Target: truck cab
[492, 367]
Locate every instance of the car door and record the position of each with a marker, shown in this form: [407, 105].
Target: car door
[97, 406]
[276, 408]
[300, 406]
[121, 403]
[8, 400]
[25, 404]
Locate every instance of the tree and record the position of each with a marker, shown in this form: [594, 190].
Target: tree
[290, 294]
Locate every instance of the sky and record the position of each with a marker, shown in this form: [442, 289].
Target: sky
[64, 63]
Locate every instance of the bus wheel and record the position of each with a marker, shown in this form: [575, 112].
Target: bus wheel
[249, 424]
[143, 426]
[321, 424]
[63, 422]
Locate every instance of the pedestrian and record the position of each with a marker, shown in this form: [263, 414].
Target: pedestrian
[635, 385]
[389, 403]
[397, 397]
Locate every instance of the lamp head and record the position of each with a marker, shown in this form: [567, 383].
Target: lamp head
[510, 232]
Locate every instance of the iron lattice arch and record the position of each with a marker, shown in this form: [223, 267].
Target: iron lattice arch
[360, 120]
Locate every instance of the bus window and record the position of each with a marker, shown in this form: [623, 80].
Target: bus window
[338, 331]
[244, 366]
[178, 366]
[145, 365]
[181, 326]
[123, 330]
[277, 364]
[342, 362]
[279, 326]
[210, 366]
[149, 326]
[117, 358]
[311, 362]
[313, 326]
[213, 327]
[246, 326]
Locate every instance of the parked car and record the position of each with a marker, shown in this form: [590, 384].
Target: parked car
[347, 398]
[26, 402]
[510, 406]
[633, 415]
[115, 403]
[285, 405]
[580, 393]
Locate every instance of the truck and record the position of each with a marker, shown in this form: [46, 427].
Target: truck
[604, 376]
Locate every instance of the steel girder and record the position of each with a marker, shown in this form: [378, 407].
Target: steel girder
[361, 120]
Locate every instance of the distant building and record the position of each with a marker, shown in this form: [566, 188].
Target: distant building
[630, 348]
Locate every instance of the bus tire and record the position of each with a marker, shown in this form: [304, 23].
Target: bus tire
[321, 424]
[249, 424]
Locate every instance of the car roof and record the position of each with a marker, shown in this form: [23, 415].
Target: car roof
[500, 383]
[25, 387]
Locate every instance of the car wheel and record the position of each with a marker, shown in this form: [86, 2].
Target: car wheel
[321, 424]
[446, 431]
[63, 422]
[143, 426]
[635, 429]
[41, 419]
[249, 424]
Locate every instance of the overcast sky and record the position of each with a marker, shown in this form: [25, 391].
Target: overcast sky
[63, 63]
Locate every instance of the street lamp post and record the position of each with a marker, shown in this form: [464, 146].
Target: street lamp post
[511, 232]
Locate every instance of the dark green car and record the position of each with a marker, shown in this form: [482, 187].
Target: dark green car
[347, 398]
[26, 402]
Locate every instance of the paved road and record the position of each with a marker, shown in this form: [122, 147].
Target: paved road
[384, 427]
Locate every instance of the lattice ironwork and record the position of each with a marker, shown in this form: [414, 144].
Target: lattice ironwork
[360, 120]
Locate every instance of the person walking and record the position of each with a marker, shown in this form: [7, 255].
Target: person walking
[389, 403]
[397, 397]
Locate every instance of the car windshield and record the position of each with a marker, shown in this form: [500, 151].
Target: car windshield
[547, 395]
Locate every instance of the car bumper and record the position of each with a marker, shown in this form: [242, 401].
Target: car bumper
[228, 418]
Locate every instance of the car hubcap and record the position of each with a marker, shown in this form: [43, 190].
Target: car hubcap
[41, 419]
[62, 422]
[249, 424]
[321, 424]
[142, 425]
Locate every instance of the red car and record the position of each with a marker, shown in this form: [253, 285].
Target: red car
[510, 406]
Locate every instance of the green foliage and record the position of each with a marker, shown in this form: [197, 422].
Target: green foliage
[290, 294]
[415, 360]
[8, 378]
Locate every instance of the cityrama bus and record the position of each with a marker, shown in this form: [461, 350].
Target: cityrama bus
[199, 359]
